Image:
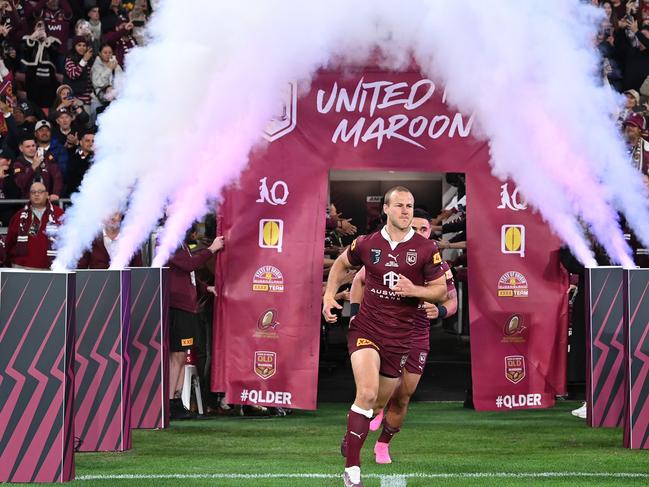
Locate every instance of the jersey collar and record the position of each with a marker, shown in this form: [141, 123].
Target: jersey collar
[393, 244]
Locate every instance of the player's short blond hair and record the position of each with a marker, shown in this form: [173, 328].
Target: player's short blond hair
[394, 189]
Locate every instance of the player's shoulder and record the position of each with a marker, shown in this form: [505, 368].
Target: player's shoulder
[424, 243]
[364, 239]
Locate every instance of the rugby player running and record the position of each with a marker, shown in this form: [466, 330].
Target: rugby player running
[402, 269]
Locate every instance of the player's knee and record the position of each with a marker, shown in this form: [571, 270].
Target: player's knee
[367, 395]
[401, 401]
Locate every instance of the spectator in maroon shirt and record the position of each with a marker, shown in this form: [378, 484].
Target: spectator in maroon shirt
[33, 166]
[77, 70]
[32, 231]
[104, 246]
[121, 40]
[57, 15]
[183, 314]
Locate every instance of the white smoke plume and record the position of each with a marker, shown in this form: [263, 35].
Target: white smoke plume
[196, 98]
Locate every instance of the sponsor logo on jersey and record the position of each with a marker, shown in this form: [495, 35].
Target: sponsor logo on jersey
[277, 194]
[422, 357]
[390, 279]
[364, 342]
[437, 258]
[513, 330]
[512, 239]
[511, 201]
[411, 257]
[512, 284]
[265, 364]
[271, 234]
[268, 279]
[404, 359]
[375, 255]
[448, 275]
[393, 261]
[186, 342]
[515, 368]
[266, 325]
[353, 245]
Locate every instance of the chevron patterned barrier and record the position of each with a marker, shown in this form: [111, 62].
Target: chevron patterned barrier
[37, 339]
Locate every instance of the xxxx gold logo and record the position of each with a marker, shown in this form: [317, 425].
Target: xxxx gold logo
[364, 342]
[187, 342]
[271, 234]
[437, 258]
[512, 239]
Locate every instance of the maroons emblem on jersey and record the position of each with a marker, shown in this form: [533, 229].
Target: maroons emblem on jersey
[411, 257]
[375, 255]
[422, 357]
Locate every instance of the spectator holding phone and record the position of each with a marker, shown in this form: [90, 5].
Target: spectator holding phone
[77, 70]
[39, 54]
[105, 71]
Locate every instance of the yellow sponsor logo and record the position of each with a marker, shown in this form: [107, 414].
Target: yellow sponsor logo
[512, 239]
[353, 245]
[187, 342]
[364, 342]
[271, 234]
[449, 275]
[437, 259]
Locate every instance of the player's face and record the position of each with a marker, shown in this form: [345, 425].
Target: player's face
[421, 226]
[399, 210]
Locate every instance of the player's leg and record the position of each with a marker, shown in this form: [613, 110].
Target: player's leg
[394, 415]
[365, 365]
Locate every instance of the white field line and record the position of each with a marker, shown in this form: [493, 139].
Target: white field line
[401, 477]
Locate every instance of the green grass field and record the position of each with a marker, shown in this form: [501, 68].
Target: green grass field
[438, 439]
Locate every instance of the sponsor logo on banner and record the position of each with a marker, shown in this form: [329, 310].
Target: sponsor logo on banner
[511, 201]
[375, 255]
[256, 396]
[512, 239]
[277, 194]
[364, 342]
[513, 330]
[285, 120]
[268, 279]
[393, 262]
[271, 234]
[437, 258]
[518, 400]
[411, 257]
[266, 325]
[512, 284]
[390, 279]
[515, 368]
[265, 364]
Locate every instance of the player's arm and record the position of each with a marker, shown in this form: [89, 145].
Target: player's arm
[442, 310]
[356, 292]
[433, 291]
[336, 276]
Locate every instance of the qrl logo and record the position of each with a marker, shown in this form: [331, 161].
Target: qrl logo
[513, 201]
[271, 234]
[277, 194]
[285, 120]
[512, 239]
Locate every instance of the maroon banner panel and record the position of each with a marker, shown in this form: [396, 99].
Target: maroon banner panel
[267, 313]
[604, 347]
[102, 374]
[37, 339]
[149, 348]
[636, 387]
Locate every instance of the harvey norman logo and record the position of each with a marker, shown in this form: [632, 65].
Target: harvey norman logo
[367, 113]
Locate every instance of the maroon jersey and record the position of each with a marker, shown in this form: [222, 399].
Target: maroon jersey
[383, 313]
[422, 323]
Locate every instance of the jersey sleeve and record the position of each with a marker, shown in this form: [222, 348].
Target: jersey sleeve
[433, 267]
[354, 251]
[448, 275]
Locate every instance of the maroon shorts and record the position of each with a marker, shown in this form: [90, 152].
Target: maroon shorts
[392, 361]
[418, 351]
